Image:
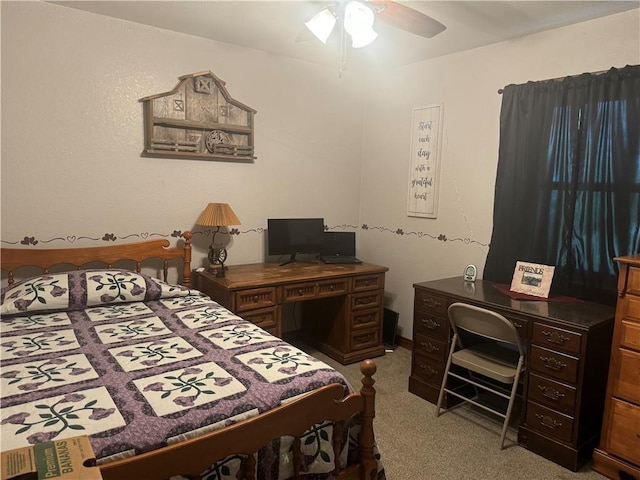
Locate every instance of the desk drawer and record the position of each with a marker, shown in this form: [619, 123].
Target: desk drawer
[552, 394]
[625, 431]
[626, 385]
[362, 339]
[255, 298]
[426, 369]
[266, 318]
[431, 348]
[366, 319]
[549, 422]
[556, 338]
[433, 325]
[428, 302]
[368, 282]
[554, 364]
[366, 300]
[299, 291]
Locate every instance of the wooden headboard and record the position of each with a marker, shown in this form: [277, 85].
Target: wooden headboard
[14, 258]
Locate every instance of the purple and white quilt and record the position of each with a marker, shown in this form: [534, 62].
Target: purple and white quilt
[137, 364]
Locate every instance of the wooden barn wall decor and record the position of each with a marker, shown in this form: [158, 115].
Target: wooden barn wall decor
[198, 119]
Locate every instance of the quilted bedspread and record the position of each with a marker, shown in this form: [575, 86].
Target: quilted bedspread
[136, 363]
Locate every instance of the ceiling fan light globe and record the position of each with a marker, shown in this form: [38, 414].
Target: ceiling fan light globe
[321, 24]
[363, 38]
[358, 22]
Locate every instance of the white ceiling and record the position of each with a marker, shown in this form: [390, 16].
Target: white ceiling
[273, 26]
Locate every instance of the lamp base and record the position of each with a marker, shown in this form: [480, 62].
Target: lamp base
[217, 270]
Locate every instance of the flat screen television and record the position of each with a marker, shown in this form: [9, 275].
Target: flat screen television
[291, 236]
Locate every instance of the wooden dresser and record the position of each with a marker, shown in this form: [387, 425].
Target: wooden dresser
[568, 345]
[342, 305]
[618, 455]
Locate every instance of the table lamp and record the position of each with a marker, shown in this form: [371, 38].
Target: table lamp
[217, 215]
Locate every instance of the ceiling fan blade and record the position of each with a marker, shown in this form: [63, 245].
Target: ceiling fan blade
[406, 18]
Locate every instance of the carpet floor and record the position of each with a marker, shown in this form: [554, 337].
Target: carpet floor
[459, 444]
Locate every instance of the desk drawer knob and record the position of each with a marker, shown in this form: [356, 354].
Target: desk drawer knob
[428, 369]
[431, 303]
[429, 347]
[430, 323]
[255, 299]
[553, 364]
[547, 421]
[551, 393]
[555, 337]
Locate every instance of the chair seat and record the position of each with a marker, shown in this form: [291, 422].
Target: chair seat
[490, 360]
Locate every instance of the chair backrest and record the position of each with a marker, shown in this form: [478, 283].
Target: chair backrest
[485, 323]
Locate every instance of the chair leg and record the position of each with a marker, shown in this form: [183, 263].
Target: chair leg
[446, 374]
[512, 398]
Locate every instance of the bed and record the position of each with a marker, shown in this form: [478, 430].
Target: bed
[164, 381]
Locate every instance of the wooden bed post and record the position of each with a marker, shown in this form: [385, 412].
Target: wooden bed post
[367, 438]
[186, 265]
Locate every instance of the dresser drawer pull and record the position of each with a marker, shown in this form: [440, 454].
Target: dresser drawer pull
[332, 288]
[431, 303]
[547, 421]
[430, 323]
[551, 393]
[429, 347]
[255, 299]
[555, 337]
[299, 291]
[517, 325]
[553, 364]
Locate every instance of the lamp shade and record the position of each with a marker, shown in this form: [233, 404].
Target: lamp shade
[217, 215]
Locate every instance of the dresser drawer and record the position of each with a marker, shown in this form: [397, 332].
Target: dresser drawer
[255, 298]
[368, 282]
[554, 364]
[627, 382]
[549, 422]
[361, 301]
[630, 307]
[630, 336]
[552, 394]
[366, 319]
[625, 431]
[265, 318]
[431, 348]
[426, 369]
[556, 338]
[633, 285]
[428, 302]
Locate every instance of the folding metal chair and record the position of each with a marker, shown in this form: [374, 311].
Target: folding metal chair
[494, 352]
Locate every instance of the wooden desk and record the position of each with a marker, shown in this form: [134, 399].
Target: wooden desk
[568, 346]
[342, 309]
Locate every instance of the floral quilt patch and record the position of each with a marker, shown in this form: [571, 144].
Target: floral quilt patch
[139, 328]
[37, 343]
[153, 354]
[178, 390]
[43, 374]
[28, 322]
[278, 363]
[112, 286]
[206, 316]
[63, 416]
[117, 311]
[46, 292]
[237, 335]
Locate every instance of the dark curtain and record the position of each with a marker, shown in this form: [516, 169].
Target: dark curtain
[567, 188]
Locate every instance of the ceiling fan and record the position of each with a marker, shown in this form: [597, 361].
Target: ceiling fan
[357, 18]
